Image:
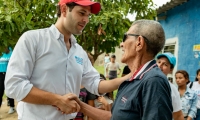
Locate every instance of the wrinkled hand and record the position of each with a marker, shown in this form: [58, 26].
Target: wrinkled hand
[67, 105]
[75, 99]
[128, 76]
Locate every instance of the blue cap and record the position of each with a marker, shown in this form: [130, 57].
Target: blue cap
[169, 56]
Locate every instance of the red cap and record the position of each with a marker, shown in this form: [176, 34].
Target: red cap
[95, 6]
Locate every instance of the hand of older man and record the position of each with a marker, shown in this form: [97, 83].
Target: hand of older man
[128, 76]
[67, 105]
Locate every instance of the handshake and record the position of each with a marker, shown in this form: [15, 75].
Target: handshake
[68, 103]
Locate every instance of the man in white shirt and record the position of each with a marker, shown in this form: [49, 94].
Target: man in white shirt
[112, 67]
[166, 62]
[48, 66]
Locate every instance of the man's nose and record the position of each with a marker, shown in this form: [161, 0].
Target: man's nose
[86, 19]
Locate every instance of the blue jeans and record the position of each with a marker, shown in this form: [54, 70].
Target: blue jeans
[198, 115]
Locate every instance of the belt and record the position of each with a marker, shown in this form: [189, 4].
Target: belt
[2, 72]
[185, 116]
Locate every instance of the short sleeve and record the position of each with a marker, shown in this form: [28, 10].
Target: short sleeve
[176, 101]
[107, 65]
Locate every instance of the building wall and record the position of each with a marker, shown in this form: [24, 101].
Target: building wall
[183, 22]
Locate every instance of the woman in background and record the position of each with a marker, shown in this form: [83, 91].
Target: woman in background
[188, 96]
[196, 87]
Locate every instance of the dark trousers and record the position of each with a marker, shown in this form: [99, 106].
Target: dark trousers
[2, 88]
[2, 78]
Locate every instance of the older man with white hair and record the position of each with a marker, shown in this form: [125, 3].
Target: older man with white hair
[147, 94]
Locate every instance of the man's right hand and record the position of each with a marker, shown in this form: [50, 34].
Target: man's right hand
[67, 105]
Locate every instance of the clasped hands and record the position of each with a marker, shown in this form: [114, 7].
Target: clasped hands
[68, 104]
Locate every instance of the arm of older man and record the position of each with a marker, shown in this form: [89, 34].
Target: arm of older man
[106, 86]
[92, 112]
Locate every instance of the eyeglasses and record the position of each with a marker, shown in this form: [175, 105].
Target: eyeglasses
[125, 37]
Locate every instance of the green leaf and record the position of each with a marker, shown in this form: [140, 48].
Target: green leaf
[8, 18]
[18, 17]
[29, 17]
[8, 30]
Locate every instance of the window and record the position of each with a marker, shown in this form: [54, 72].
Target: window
[169, 48]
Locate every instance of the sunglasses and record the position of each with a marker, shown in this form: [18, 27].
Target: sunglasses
[125, 37]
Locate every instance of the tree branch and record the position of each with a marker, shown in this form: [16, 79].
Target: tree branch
[20, 4]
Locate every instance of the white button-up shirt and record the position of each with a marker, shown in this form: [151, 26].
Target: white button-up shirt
[41, 59]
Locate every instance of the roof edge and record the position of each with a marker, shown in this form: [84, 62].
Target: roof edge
[170, 5]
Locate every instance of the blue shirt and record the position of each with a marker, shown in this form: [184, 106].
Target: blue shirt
[189, 101]
[4, 61]
[146, 97]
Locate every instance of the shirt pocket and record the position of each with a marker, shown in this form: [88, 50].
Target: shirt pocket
[189, 99]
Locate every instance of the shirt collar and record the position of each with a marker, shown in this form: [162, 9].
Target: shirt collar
[143, 69]
[59, 35]
[188, 90]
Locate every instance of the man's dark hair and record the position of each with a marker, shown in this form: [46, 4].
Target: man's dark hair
[70, 5]
[113, 56]
[171, 66]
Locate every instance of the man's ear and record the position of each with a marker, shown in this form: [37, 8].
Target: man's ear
[140, 43]
[63, 10]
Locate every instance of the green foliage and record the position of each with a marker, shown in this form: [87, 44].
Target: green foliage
[100, 69]
[103, 33]
[113, 22]
[18, 16]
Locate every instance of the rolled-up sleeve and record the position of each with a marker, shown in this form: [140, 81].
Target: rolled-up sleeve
[91, 77]
[193, 109]
[20, 67]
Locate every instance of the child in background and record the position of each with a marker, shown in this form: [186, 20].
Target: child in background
[85, 97]
[188, 96]
[82, 97]
[196, 87]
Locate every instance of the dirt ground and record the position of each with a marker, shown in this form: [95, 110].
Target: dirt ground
[4, 112]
